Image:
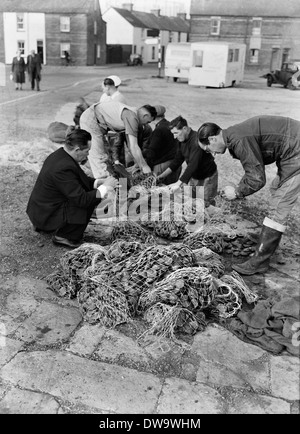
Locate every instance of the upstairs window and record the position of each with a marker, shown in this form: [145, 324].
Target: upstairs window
[64, 24]
[256, 26]
[215, 24]
[21, 47]
[95, 28]
[20, 22]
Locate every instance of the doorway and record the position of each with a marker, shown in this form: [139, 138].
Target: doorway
[40, 49]
[274, 59]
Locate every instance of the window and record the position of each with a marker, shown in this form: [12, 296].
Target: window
[64, 24]
[170, 36]
[230, 55]
[20, 22]
[95, 27]
[254, 56]
[21, 46]
[236, 55]
[98, 51]
[179, 36]
[256, 26]
[153, 53]
[198, 58]
[64, 47]
[215, 23]
[134, 49]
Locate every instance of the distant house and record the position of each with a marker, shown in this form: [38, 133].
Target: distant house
[51, 27]
[270, 29]
[134, 32]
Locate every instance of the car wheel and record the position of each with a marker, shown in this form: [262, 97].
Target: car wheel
[290, 85]
[269, 81]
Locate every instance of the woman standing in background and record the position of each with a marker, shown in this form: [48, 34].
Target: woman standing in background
[18, 70]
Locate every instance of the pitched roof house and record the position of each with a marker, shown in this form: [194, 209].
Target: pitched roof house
[270, 29]
[131, 32]
[52, 26]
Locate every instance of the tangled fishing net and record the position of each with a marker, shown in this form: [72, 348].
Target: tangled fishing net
[100, 302]
[130, 231]
[66, 281]
[197, 240]
[238, 284]
[166, 320]
[210, 260]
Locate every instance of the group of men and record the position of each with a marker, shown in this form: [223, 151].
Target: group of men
[64, 196]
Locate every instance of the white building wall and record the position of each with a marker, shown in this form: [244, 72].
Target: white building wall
[118, 30]
[34, 30]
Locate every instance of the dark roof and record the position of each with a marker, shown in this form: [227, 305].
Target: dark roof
[50, 6]
[147, 20]
[252, 8]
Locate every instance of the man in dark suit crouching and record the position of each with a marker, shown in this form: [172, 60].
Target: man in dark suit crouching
[64, 197]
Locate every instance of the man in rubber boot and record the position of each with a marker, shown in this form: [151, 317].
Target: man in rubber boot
[257, 142]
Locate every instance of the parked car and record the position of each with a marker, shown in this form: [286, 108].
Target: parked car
[288, 75]
[134, 60]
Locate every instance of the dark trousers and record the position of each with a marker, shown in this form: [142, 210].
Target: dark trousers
[34, 78]
[74, 232]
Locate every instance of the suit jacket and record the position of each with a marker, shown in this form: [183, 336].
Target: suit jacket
[34, 65]
[62, 193]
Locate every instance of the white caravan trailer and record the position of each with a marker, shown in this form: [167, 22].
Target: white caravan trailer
[217, 64]
[178, 60]
[211, 64]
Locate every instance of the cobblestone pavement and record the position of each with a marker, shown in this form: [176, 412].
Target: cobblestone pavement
[53, 362]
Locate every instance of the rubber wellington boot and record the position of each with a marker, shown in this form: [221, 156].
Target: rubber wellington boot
[268, 242]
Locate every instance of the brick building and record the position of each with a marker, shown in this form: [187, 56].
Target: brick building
[269, 28]
[52, 26]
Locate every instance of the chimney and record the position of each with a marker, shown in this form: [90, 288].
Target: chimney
[181, 15]
[128, 6]
[155, 12]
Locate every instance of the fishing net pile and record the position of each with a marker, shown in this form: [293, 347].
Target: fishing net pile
[174, 288]
[220, 241]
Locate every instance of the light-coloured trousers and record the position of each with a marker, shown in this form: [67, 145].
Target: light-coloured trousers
[283, 198]
[97, 155]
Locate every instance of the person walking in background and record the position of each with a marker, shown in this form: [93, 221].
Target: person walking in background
[34, 67]
[111, 91]
[67, 57]
[18, 68]
[257, 142]
[201, 168]
[162, 147]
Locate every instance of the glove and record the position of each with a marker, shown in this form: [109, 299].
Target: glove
[229, 192]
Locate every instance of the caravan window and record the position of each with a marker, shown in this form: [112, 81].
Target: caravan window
[236, 55]
[198, 58]
[230, 55]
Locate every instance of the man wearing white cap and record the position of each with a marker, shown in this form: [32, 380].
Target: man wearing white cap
[111, 91]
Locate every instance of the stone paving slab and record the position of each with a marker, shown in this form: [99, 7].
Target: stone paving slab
[49, 324]
[285, 377]
[18, 305]
[86, 339]
[18, 401]
[8, 349]
[116, 346]
[250, 403]
[230, 361]
[8, 324]
[95, 384]
[183, 397]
